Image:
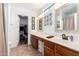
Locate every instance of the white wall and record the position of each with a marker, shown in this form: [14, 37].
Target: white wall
[48, 29]
[43, 8]
[14, 22]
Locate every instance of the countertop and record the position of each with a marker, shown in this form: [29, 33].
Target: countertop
[57, 39]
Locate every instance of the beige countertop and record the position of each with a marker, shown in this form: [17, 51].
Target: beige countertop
[57, 39]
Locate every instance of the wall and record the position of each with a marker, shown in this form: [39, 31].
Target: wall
[48, 29]
[43, 8]
[13, 24]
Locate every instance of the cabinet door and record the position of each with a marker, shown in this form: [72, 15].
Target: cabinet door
[65, 51]
[48, 48]
[49, 44]
[47, 51]
[57, 54]
[34, 42]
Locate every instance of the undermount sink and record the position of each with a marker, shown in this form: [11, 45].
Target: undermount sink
[50, 37]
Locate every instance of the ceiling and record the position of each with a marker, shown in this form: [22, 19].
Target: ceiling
[31, 6]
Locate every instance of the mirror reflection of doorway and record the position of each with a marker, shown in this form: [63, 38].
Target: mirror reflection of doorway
[23, 29]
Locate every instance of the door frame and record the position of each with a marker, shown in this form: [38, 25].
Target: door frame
[19, 25]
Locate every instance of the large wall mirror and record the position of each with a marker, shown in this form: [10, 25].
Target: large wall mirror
[67, 17]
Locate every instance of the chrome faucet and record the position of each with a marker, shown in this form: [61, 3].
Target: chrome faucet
[64, 37]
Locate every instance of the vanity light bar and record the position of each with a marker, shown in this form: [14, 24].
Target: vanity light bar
[49, 7]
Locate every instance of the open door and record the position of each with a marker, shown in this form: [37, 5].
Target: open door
[2, 37]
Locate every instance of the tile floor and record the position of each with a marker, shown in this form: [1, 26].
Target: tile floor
[24, 50]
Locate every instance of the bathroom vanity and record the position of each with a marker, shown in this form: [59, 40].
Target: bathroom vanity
[66, 20]
[55, 46]
[54, 49]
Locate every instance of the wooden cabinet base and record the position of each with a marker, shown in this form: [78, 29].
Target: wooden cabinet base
[34, 42]
[48, 48]
[48, 51]
[63, 51]
[53, 49]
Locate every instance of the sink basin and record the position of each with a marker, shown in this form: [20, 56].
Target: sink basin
[49, 37]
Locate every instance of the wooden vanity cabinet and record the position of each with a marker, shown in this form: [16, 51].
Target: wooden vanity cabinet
[47, 51]
[34, 41]
[53, 49]
[63, 51]
[48, 48]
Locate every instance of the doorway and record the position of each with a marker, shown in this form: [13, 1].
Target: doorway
[23, 30]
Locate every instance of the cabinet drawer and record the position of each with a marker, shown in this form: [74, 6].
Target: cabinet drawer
[65, 51]
[48, 51]
[35, 37]
[49, 44]
[34, 42]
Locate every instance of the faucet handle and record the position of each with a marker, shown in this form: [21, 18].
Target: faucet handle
[71, 38]
[63, 36]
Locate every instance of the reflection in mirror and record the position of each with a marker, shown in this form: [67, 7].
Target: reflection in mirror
[66, 17]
